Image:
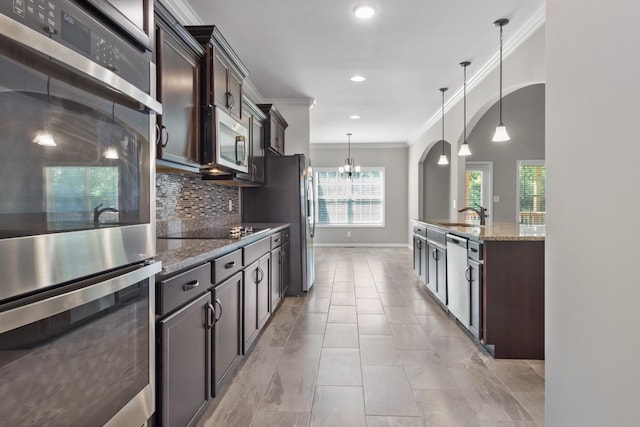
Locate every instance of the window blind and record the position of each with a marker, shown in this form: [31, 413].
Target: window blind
[532, 186]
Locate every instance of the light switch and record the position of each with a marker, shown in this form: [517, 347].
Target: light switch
[496, 199]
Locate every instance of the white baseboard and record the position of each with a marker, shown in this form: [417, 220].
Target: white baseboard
[362, 245]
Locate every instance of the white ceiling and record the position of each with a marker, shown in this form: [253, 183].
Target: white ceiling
[301, 50]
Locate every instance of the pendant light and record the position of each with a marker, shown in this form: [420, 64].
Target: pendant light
[349, 170]
[464, 148]
[44, 136]
[443, 158]
[501, 131]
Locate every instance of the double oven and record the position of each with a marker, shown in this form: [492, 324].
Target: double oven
[77, 233]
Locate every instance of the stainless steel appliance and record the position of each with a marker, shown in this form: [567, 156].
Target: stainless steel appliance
[288, 196]
[134, 17]
[76, 220]
[458, 300]
[81, 355]
[224, 143]
[76, 106]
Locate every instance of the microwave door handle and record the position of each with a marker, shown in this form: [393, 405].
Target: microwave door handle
[244, 141]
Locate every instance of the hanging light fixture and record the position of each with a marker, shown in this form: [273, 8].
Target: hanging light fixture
[45, 136]
[464, 148]
[501, 131]
[443, 157]
[349, 170]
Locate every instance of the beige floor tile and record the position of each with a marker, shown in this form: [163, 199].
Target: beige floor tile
[291, 388]
[303, 348]
[341, 335]
[533, 403]
[342, 314]
[380, 421]
[280, 419]
[373, 324]
[343, 298]
[340, 366]
[311, 323]
[316, 305]
[366, 293]
[338, 406]
[445, 408]
[400, 316]
[410, 337]
[425, 370]
[387, 392]
[379, 350]
[343, 286]
[369, 306]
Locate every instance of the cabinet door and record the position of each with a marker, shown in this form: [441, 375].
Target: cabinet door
[221, 72]
[286, 265]
[257, 150]
[276, 278]
[416, 255]
[441, 273]
[185, 362]
[474, 276]
[263, 290]
[432, 268]
[234, 100]
[228, 331]
[280, 139]
[250, 305]
[178, 88]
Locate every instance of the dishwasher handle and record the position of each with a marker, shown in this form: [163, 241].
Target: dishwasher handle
[457, 240]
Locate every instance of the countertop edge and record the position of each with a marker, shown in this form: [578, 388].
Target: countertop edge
[502, 236]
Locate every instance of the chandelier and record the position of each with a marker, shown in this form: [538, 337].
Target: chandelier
[349, 170]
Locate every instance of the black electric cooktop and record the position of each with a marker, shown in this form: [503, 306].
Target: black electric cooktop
[216, 233]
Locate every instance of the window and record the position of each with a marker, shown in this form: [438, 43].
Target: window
[531, 192]
[477, 188]
[358, 202]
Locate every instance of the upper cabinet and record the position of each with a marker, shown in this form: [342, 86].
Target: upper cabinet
[178, 58]
[223, 71]
[255, 119]
[275, 125]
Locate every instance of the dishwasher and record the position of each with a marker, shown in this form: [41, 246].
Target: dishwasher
[459, 303]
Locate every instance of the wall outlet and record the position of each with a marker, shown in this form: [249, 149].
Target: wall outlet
[348, 234]
[496, 199]
[230, 205]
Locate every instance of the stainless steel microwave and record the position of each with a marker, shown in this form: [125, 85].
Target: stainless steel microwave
[224, 143]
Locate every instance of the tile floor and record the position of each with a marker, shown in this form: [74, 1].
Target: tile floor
[368, 347]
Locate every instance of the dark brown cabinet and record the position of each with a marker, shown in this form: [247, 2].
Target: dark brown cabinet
[185, 363]
[228, 328]
[178, 59]
[275, 126]
[276, 277]
[256, 299]
[224, 72]
[255, 118]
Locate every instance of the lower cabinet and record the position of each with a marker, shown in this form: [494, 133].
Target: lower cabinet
[185, 371]
[276, 278]
[420, 261]
[227, 348]
[256, 299]
[437, 270]
[474, 276]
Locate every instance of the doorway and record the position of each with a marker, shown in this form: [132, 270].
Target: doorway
[478, 188]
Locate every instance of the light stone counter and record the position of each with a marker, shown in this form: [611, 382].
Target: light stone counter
[498, 231]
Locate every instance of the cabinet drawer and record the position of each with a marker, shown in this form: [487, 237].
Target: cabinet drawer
[276, 240]
[227, 265]
[475, 250]
[286, 233]
[255, 250]
[179, 289]
[437, 235]
[420, 230]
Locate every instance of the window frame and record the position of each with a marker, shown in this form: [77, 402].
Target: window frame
[316, 170]
[527, 163]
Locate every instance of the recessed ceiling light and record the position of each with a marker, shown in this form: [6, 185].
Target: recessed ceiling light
[364, 11]
[358, 78]
[354, 117]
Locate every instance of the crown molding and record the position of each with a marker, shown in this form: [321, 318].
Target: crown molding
[365, 145]
[292, 102]
[182, 10]
[530, 26]
[252, 93]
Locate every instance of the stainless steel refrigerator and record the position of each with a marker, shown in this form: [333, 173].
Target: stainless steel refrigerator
[288, 196]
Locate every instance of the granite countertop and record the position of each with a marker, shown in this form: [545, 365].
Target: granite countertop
[493, 231]
[178, 254]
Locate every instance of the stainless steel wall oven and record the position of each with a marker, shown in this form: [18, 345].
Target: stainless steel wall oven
[77, 115]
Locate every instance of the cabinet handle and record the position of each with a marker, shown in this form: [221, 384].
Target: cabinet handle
[230, 264]
[191, 285]
[467, 274]
[277, 240]
[419, 244]
[244, 150]
[211, 315]
[259, 275]
[434, 254]
[473, 250]
[219, 315]
[282, 255]
[158, 134]
[166, 132]
[231, 103]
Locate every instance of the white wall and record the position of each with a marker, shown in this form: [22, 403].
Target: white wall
[394, 160]
[522, 67]
[297, 135]
[592, 285]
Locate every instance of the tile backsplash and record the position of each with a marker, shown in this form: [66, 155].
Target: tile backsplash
[185, 202]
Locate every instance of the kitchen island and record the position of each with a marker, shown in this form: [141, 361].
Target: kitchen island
[511, 283]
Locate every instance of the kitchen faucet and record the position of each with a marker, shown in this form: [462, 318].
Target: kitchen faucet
[97, 212]
[481, 211]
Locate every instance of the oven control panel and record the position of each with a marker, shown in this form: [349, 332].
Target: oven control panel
[76, 28]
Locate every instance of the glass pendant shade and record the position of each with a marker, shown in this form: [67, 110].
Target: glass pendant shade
[501, 134]
[443, 160]
[464, 150]
[44, 137]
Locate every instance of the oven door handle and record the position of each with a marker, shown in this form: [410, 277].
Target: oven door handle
[34, 40]
[95, 289]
